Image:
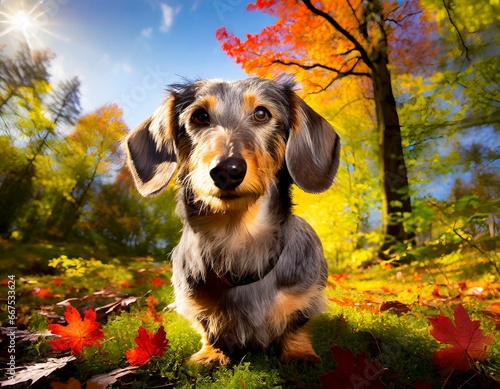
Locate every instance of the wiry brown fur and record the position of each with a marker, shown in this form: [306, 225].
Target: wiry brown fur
[246, 272]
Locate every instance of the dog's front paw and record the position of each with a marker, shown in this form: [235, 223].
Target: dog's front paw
[301, 356]
[297, 346]
[210, 357]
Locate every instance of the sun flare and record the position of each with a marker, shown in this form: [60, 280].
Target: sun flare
[23, 22]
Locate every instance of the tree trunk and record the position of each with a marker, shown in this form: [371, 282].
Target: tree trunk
[393, 172]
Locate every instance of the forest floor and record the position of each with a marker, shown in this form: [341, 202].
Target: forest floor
[431, 323]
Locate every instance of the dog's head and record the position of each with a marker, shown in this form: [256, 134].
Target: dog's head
[230, 139]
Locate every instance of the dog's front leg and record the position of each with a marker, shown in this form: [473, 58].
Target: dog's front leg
[209, 355]
[297, 345]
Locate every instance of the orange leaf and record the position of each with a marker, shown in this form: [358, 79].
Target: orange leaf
[78, 333]
[150, 345]
[152, 303]
[42, 292]
[493, 312]
[468, 343]
[157, 281]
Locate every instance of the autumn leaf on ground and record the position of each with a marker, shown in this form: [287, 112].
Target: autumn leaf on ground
[73, 383]
[39, 370]
[396, 306]
[106, 379]
[42, 293]
[78, 333]
[152, 303]
[353, 371]
[149, 345]
[468, 343]
[493, 312]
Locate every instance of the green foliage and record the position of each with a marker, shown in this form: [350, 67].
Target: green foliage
[183, 342]
[86, 270]
[69, 183]
[242, 375]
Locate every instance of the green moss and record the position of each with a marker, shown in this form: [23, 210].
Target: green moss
[245, 375]
[183, 341]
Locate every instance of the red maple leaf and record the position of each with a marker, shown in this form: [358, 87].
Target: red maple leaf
[468, 343]
[150, 345]
[353, 371]
[78, 333]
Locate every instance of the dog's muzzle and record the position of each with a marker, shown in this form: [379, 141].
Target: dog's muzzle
[228, 173]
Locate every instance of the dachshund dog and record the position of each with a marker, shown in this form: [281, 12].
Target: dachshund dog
[246, 273]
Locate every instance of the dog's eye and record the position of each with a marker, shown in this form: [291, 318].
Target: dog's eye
[200, 117]
[261, 114]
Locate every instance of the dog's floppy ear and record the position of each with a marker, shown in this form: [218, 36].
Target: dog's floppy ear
[313, 148]
[151, 150]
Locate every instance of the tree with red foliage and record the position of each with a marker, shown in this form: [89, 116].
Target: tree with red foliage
[323, 42]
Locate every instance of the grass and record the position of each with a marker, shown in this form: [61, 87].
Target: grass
[381, 311]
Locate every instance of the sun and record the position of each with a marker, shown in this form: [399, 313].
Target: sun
[23, 22]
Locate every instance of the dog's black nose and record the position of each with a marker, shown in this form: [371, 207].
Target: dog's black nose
[229, 173]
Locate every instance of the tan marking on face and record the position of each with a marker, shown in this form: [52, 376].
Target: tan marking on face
[208, 102]
[249, 102]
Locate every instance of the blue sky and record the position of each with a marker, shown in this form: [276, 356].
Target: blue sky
[127, 51]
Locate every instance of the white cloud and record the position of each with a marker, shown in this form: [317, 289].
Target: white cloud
[105, 58]
[122, 66]
[195, 5]
[117, 67]
[168, 14]
[146, 33]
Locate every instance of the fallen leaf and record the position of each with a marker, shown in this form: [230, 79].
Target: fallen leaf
[422, 385]
[396, 306]
[468, 343]
[78, 333]
[38, 370]
[73, 383]
[120, 301]
[341, 301]
[493, 312]
[106, 379]
[149, 345]
[152, 303]
[353, 371]
[44, 293]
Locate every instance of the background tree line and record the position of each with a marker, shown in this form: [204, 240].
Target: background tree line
[411, 86]
[62, 175]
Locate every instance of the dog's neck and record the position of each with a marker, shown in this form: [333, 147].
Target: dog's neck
[250, 223]
[240, 242]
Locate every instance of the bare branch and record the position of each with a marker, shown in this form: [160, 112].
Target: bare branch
[329, 68]
[342, 30]
[353, 11]
[460, 37]
[403, 18]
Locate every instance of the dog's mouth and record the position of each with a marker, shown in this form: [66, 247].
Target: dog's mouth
[229, 195]
[227, 201]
